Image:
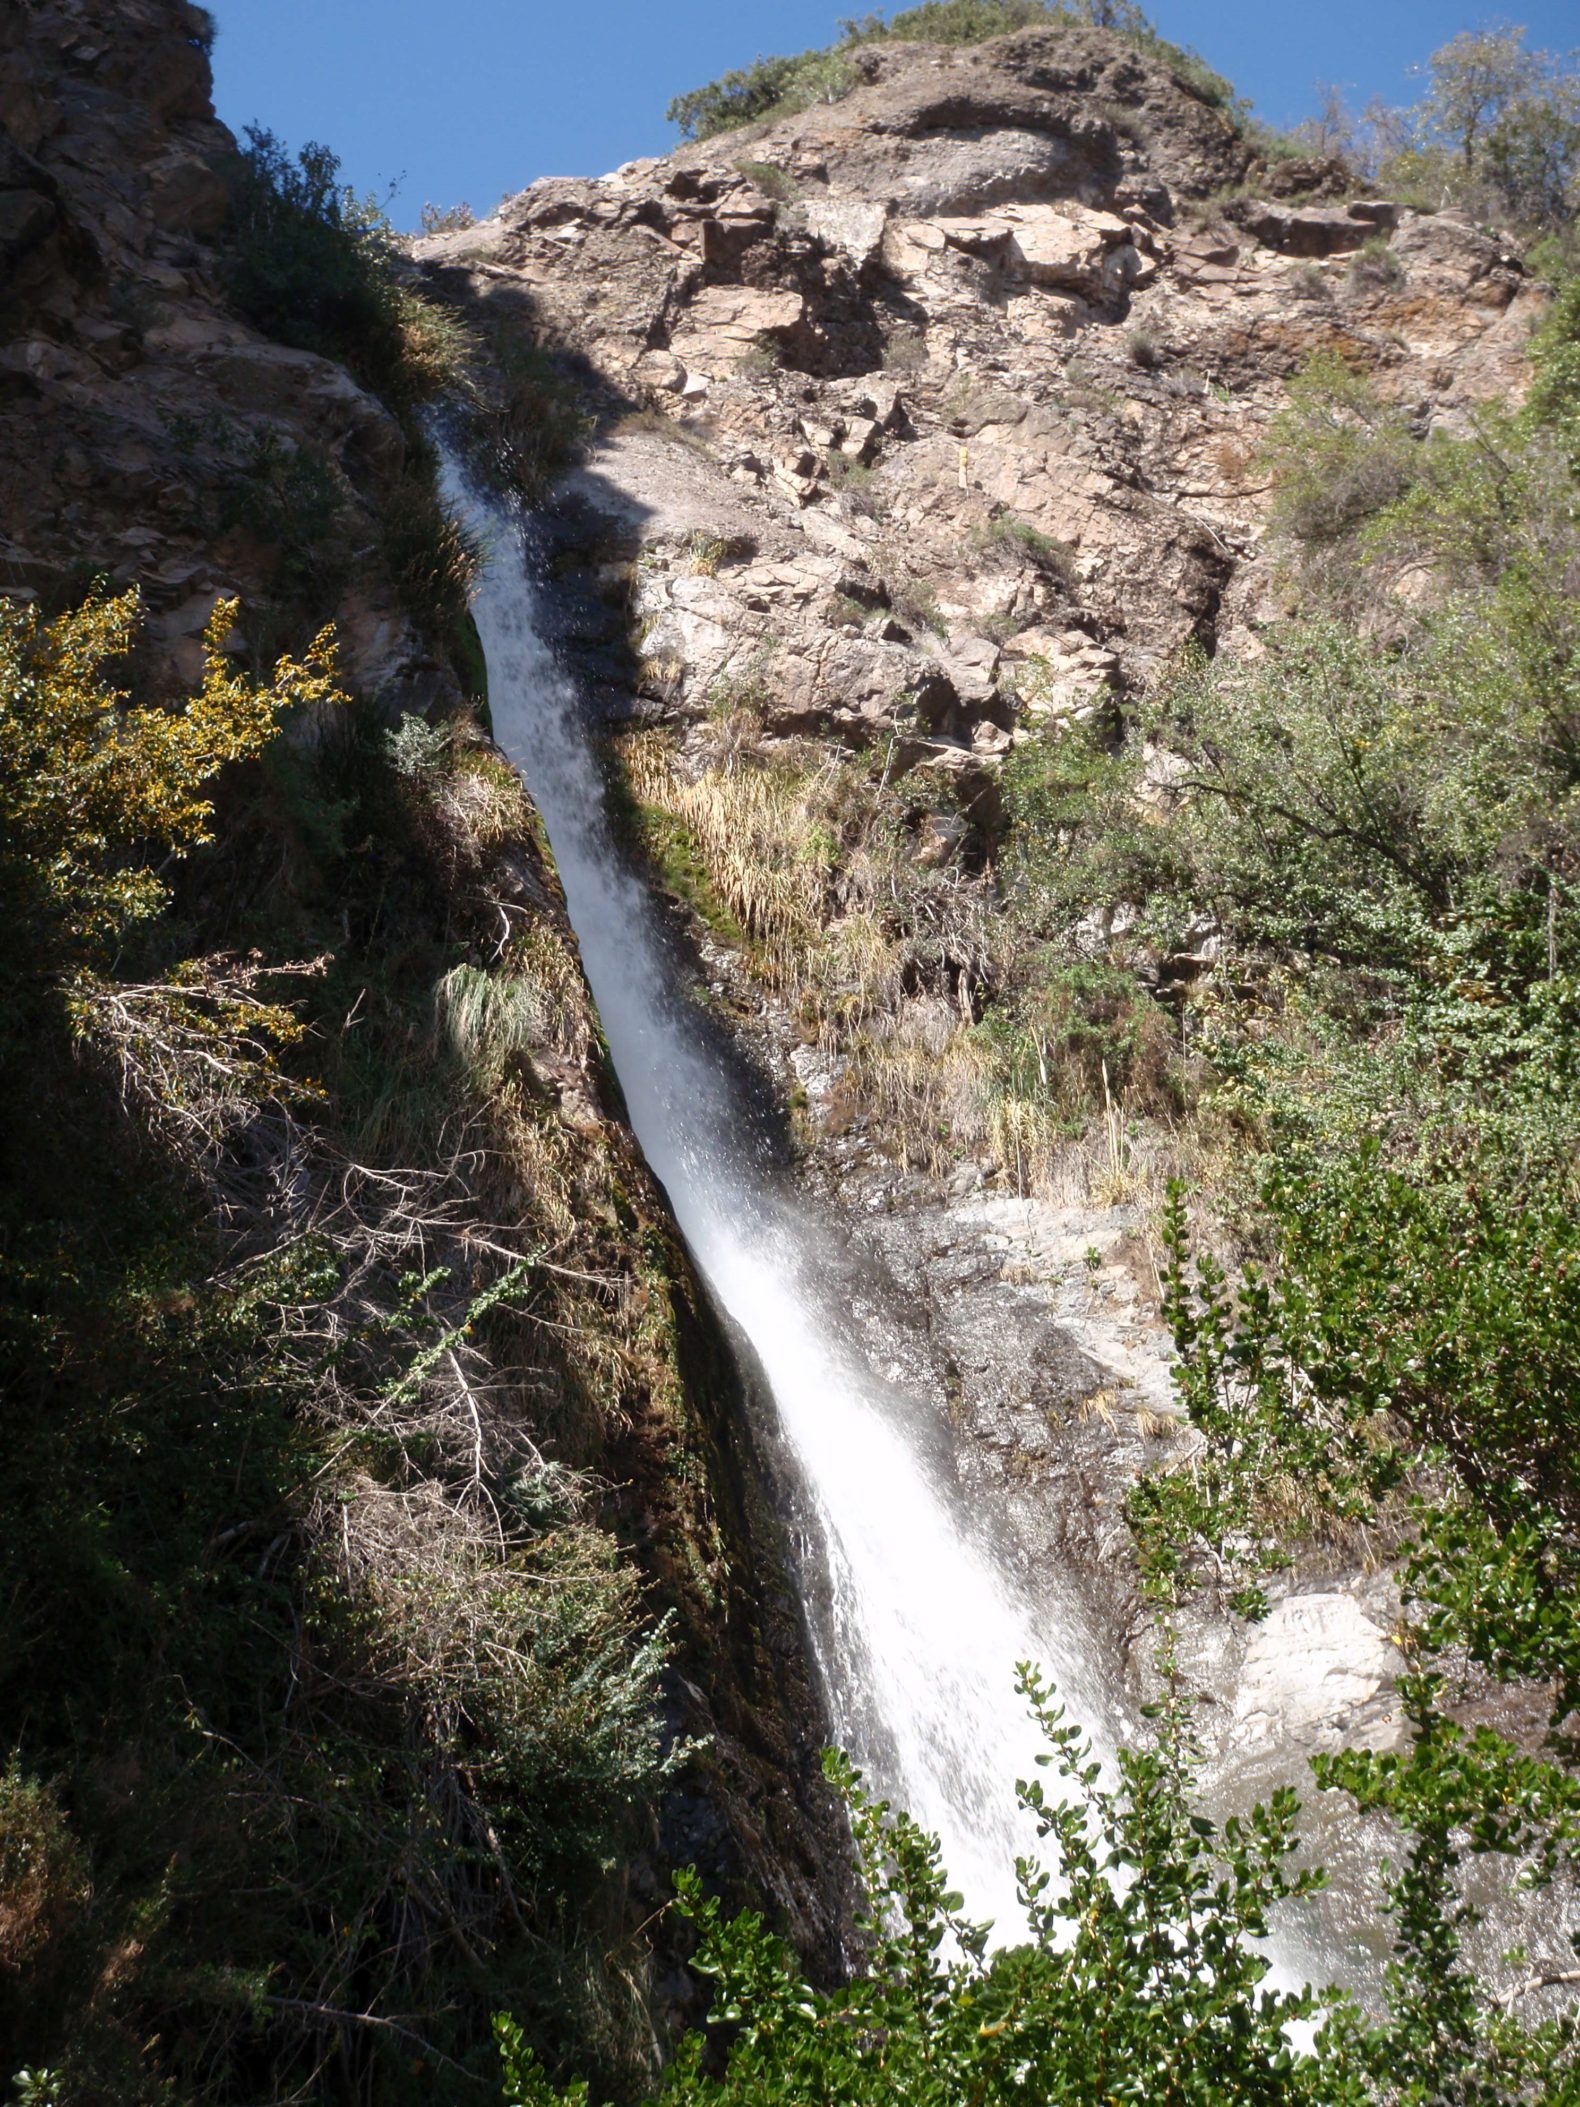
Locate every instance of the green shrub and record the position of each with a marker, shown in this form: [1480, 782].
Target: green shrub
[294, 503]
[315, 266]
[1009, 532]
[446, 219]
[760, 359]
[430, 558]
[774, 182]
[959, 21]
[1554, 400]
[1375, 267]
[1140, 1969]
[1337, 454]
[1143, 1975]
[905, 350]
[43, 1876]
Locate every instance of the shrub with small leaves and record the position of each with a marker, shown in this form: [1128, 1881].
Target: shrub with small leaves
[91, 782]
[1140, 1976]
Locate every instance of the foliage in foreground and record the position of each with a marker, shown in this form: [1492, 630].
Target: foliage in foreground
[328, 1703]
[87, 782]
[1138, 1978]
[1143, 1976]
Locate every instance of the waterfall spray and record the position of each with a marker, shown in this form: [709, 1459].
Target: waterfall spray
[923, 1623]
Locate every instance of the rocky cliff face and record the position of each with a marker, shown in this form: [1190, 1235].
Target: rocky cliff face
[931, 419]
[150, 437]
[992, 290]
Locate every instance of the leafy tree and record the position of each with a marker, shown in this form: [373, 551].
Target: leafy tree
[1475, 80]
[1498, 129]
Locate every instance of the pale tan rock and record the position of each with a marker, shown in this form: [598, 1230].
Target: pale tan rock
[854, 225]
[723, 322]
[661, 370]
[1318, 1674]
[972, 666]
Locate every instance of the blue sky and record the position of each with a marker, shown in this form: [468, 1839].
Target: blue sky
[456, 99]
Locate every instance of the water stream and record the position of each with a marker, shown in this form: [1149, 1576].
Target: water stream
[922, 1622]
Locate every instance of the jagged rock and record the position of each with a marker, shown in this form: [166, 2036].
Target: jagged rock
[1307, 176]
[26, 216]
[131, 396]
[854, 225]
[725, 322]
[660, 369]
[1011, 383]
[972, 666]
[1317, 230]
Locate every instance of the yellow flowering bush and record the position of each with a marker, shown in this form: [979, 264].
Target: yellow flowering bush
[90, 782]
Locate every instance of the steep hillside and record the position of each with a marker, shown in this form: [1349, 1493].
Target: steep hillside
[378, 1528]
[933, 421]
[1064, 730]
[1082, 607]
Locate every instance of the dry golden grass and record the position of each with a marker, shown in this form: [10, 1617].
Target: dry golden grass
[927, 1081]
[761, 830]
[480, 803]
[879, 961]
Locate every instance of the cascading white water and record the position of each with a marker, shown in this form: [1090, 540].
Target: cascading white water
[923, 1625]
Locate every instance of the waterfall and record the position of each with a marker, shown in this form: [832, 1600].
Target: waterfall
[922, 1620]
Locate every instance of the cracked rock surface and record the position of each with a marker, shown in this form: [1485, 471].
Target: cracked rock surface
[928, 417]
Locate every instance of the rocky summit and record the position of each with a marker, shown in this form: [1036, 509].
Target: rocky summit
[971, 370]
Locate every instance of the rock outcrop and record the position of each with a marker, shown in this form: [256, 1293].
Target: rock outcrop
[136, 406]
[966, 374]
[928, 417]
